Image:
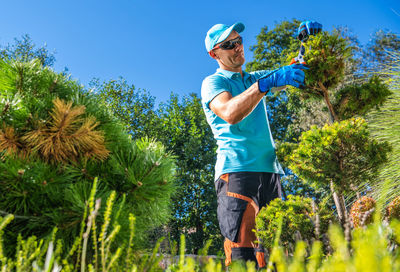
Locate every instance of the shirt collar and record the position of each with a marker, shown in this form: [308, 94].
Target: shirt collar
[231, 74]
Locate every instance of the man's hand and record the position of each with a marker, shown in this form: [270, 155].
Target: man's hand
[308, 28]
[287, 75]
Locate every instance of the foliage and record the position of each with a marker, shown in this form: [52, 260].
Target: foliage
[342, 152]
[289, 115]
[377, 53]
[184, 130]
[361, 211]
[181, 126]
[134, 107]
[335, 157]
[369, 251]
[298, 221]
[108, 256]
[329, 56]
[356, 100]
[55, 137]
[326, 55]
[393, 209]
[66, 136]
[384, 126]
[272, 45]
[25, 50]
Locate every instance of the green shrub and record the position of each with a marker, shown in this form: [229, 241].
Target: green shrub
[55, 137]
[340, 156]
[299, 221]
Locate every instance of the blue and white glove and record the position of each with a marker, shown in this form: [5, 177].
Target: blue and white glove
[287, 75]
[308, 28]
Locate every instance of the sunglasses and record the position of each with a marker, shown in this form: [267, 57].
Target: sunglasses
[228, 45]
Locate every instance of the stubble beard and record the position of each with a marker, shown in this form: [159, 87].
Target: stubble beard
[239, 60]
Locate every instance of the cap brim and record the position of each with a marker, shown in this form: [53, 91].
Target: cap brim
[238, 27]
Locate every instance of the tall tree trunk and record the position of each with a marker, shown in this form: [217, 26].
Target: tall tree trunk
[340, 205]
[328, 103]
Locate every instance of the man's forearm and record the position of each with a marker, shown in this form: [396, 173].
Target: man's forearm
[243, 104]
[235, 109]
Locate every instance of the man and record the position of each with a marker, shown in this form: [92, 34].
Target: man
[247, 172]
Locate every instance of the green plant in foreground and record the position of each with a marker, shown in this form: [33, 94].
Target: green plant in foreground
[300, 221]
[55, 138]
[369, 251]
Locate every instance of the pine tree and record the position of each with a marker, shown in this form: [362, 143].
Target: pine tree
[55, 138]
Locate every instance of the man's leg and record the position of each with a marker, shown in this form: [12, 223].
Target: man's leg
[237, 210]
[269, 189]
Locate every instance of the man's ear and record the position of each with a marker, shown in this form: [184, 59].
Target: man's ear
[212, 54]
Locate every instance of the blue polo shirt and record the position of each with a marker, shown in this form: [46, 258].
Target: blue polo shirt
[248, 145]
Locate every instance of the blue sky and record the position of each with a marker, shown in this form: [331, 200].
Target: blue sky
[159, 45]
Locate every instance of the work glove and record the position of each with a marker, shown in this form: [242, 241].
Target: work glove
[308, 28]
[287, 75]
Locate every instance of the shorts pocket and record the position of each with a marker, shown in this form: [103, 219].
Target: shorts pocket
[230, 212]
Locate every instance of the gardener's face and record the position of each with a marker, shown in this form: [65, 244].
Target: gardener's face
[230, 59]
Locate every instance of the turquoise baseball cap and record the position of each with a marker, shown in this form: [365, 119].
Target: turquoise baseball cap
[219, 32]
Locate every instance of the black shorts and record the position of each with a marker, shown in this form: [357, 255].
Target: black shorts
[240, 197]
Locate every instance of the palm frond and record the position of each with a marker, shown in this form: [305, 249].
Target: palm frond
[384, 125]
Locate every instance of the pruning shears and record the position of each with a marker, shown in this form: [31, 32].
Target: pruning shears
[300, 56]
[305, 29]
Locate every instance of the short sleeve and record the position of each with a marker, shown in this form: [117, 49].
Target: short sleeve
[212, 86]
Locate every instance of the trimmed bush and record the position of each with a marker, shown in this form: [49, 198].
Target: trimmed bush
[298, 221]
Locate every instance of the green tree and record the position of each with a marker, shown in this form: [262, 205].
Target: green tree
[134, 107]
[378, 52]
[272, 46]
[340, 156]
[288, 114]
[55, 138]
[296, 115]
[185, 133]
[327, 55]
[25, 50]
[181, 126]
